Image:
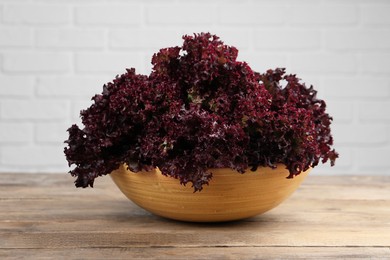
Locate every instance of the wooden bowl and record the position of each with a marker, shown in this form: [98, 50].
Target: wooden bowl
[229, 196]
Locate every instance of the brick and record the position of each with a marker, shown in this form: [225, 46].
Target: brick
[111, 14]
[153, 40]
[314, 81]
[346, 158]
[374, 111]
[144, 39]
[77, 106]
[50, 14]
[375, 63]
[263, 61]
[291, 39]
[175, 14]
[375, 14]
[15, 86]
[341, 111]
[366, 2]
[367, 39]
[70, 86]
[15, 36]
[323, 63]
[354, 87]
[36, 61]
[147, 64]
[34, 109]
[20, 156]
[240, 38]
[51, 132]
[323, 14]
[70, 38]
[230, 14]
[360, 134]
[16, 132]
[194, 2]
[107, 62]
[372, 158]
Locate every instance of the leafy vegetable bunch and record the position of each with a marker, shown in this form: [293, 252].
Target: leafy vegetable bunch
[200, 109]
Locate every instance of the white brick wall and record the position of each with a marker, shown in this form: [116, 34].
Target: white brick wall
[55, 55]
[106, 15]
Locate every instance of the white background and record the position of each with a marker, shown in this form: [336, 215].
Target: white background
[55, 55]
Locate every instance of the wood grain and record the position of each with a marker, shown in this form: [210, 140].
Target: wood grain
[44, 216]
[229, 195]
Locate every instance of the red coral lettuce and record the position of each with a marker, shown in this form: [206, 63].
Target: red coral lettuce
[199, 109]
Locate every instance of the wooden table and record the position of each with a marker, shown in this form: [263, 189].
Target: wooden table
[44, 216]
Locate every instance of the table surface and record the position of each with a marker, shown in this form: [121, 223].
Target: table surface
[45, 216]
